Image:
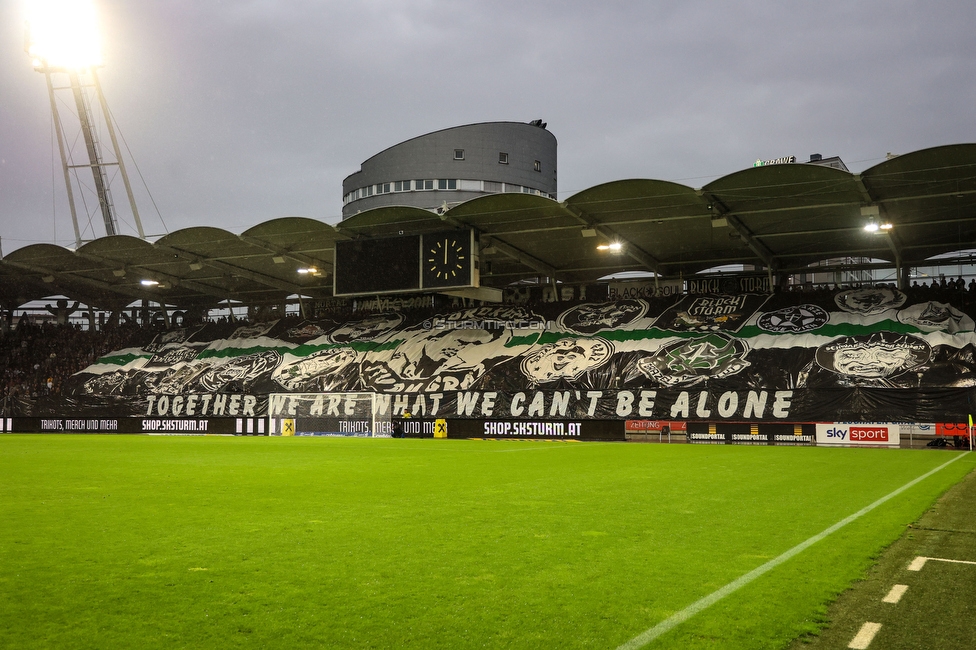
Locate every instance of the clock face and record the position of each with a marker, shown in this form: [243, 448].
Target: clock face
[446, 260]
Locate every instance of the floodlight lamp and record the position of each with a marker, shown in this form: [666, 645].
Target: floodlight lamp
[871, 226]
[63, 34]
[309, 270]
[885, 226]
[148, 283]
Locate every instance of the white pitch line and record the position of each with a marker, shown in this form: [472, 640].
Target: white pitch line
[865, 636]
[920, 561]
[917, 563]
[677, 618]
[895, 594]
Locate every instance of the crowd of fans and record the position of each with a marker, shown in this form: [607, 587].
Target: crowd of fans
[35, 359]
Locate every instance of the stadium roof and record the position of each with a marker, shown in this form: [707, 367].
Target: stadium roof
[783, 217]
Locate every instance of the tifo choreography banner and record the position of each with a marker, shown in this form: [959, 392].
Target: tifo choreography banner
[845, 356]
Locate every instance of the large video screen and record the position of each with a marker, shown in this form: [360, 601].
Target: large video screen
[387, 265]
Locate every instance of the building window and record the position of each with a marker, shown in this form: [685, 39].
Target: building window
[492, 186]
[537, 166]
[502, 158]
[447, 183]
[423, 185]
[401, 186]
[459, 154]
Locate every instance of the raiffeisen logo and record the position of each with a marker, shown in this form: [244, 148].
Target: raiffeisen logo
[869, 434]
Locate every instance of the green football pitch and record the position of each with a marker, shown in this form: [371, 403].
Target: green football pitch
[137, 541]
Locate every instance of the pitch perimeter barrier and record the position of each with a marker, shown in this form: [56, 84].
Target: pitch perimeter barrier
[537, 429]
[163, 426]
[328, 414]
[751, 433]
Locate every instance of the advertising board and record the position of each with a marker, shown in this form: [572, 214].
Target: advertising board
[859, 434]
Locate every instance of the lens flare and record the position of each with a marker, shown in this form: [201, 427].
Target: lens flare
[63, 34]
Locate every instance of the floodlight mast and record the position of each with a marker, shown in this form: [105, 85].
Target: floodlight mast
[102, 188]
[82, 78]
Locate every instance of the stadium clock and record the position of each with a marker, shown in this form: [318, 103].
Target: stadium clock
[446, 259]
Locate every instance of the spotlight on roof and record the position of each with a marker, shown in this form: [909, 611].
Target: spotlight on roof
[612, 246]
[308, 270]
[148, 283]
[874, 226]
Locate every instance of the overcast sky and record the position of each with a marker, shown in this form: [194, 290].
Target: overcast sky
[241, 111]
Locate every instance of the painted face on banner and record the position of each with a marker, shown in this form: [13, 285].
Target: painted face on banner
[174, 355]
[870, 301]
[590, 318]
[244, 369]
[306, 331]
[176, 380]
[180, 335]
[315, 369]
[451, 344]
[108, 384]
[936, 316]
[876, 356]
[448, 351]
[252, 331]
[366, 329]
[567, 358]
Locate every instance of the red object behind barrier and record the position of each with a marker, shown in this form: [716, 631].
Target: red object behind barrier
[952, 429]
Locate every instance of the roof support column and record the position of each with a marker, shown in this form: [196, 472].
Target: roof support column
[555, 289]
[162, 307]
[896, 249]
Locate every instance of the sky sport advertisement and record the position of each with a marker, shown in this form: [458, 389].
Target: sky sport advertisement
[786, 357]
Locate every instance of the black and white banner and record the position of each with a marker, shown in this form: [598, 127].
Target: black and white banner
[844, 356]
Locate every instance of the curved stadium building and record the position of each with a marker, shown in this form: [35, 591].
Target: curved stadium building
[441, 169]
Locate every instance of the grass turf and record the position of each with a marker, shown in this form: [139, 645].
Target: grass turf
[938, 610]
[124, 541]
